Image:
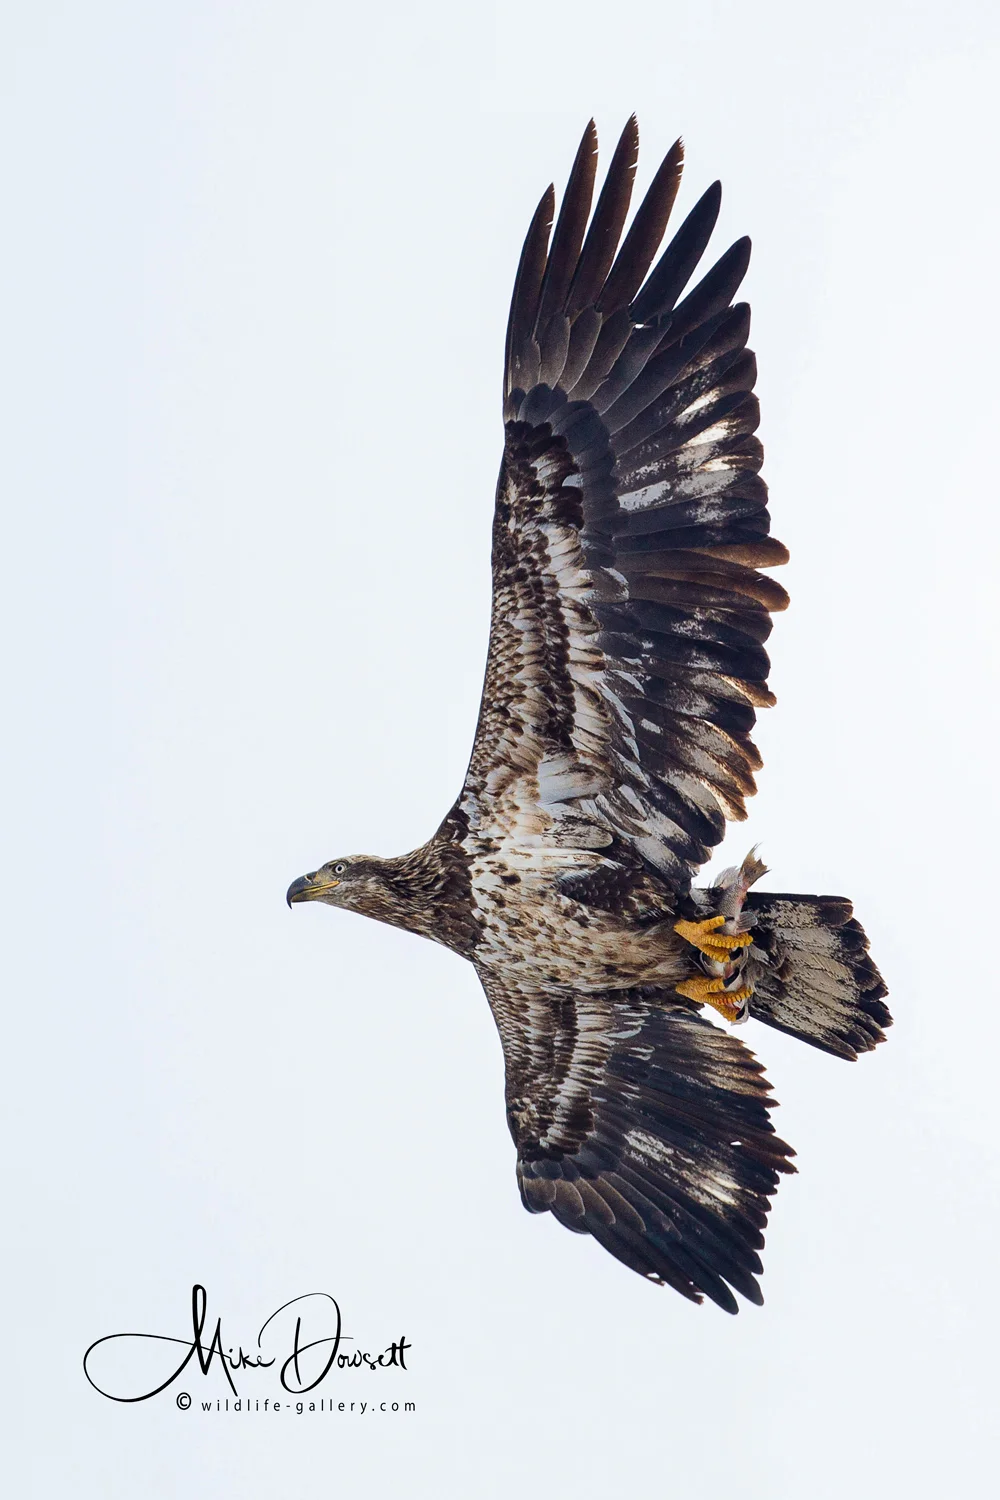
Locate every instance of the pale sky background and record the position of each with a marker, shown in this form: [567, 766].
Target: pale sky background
[257, 261]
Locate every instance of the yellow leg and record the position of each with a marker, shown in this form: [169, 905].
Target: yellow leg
[709, 991]
[714, 944]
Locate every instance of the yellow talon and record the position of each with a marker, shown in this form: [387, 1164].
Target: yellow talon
[714, 944]
[710, 992]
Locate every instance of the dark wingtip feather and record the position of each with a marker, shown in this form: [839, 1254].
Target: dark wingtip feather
[606, 226]
[643, 239]
[672, 271]
[714, 292]
[572, 223]
[527, 284]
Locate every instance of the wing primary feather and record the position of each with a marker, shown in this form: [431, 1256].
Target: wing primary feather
[614, 334]
[673, 270]
[584, 333]
[673, 358]
[714, 292]
[570, 228]
[527, 283]
[606, 226]
[643, 239]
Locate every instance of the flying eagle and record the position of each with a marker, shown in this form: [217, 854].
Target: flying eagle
[626, 662]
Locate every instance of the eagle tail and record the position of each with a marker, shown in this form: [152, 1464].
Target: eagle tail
[812, 974]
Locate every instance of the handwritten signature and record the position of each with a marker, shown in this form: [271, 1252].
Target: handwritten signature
[318, 1308]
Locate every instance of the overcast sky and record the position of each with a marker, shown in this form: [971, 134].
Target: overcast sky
[257, 262]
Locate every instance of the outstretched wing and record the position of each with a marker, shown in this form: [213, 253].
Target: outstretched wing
[640, 1123]
[626, 654]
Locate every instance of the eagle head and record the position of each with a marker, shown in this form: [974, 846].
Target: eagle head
[358, 883]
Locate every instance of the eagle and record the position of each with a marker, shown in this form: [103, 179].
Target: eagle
[625, 667]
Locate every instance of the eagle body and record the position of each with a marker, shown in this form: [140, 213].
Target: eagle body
[625, 667]
[536, 935]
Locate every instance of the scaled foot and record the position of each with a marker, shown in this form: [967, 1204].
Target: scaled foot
[706, 936]
[731, 1005]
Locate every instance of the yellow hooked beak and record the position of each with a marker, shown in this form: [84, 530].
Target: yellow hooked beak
[308, 888]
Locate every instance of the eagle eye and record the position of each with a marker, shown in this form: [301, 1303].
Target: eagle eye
[339, 869]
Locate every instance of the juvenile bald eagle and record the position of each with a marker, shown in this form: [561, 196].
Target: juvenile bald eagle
[626, 662]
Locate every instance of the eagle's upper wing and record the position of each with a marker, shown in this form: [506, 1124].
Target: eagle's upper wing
[640, 1123]
[626, 653]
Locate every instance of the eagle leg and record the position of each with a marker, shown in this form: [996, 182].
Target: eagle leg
[706, 937]
[732, 1005]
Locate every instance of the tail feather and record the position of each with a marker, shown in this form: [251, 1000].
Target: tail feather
[812, 974]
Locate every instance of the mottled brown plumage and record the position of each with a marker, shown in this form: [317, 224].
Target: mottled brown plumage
[625, 665]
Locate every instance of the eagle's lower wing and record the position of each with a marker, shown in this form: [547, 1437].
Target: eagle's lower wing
[640, 1123]
[626, 653]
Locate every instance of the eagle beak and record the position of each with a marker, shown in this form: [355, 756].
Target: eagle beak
[299, 890]
[308, 888]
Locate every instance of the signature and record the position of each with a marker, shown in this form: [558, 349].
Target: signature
[309, 1328]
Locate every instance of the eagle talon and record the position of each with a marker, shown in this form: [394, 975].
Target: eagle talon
[732, 1005]
[706, 937]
